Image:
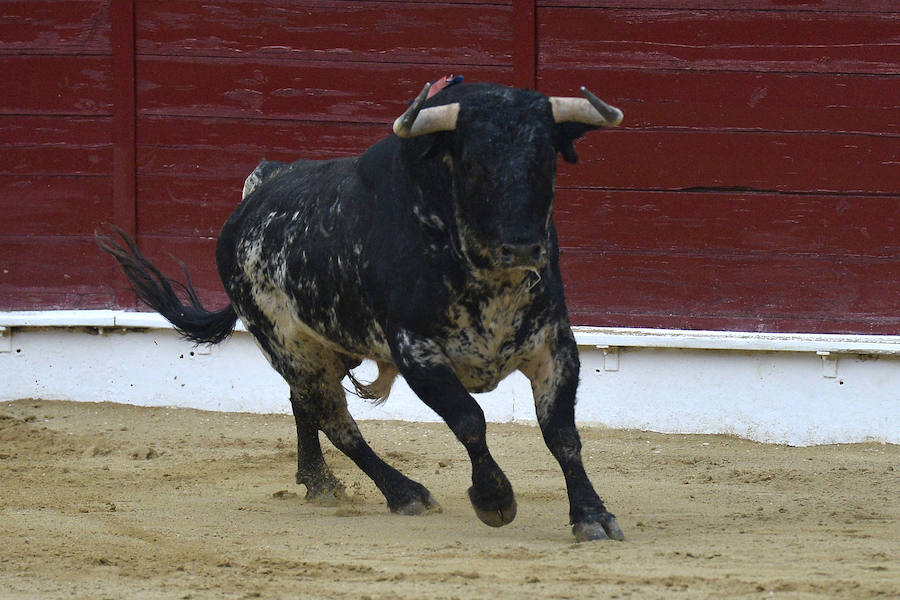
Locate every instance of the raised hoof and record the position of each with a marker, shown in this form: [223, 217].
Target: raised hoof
[605, 529]
[495, 516]
[418, 506]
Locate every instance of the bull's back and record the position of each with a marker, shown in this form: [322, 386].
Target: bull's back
[277, 198]
[289, 255]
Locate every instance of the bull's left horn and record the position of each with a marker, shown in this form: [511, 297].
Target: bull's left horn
[589, 110]
[421, 121]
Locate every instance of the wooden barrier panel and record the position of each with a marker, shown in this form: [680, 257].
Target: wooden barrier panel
[754, 183]
[330, 32]
[55, 153]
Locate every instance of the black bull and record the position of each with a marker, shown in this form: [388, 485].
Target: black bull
[435, 254]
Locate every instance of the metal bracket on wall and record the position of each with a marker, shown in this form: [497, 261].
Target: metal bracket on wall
[610, 357]
[5, 339]
[829, 364]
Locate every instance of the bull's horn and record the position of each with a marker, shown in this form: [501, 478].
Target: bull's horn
[589, 110]
[420, 121]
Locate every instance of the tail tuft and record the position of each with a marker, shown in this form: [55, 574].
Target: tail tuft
[191, 320]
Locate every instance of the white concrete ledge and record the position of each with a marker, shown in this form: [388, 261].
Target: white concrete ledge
[798, 389]
[738, 340]
[87, 318]
[600, 337]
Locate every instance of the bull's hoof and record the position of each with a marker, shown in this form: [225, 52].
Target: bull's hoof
[422, 505]
[326, 497]
[322, 490]
[603, 528]
[493, 513]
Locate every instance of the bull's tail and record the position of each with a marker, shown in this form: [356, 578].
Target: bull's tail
[192, 320]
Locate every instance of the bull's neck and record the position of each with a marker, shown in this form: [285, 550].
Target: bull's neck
[432, 202]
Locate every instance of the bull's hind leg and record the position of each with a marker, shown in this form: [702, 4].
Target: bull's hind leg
[554, 379]
[404, 496]
[322, 487]
[319, 403]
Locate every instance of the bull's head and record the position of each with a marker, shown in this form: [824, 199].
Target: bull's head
[499, 145]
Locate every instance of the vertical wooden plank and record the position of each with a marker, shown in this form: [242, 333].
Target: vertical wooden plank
[124, 114]
[124, 184]
[524, 44]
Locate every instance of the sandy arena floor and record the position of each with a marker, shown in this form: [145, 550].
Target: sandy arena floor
[113, 501]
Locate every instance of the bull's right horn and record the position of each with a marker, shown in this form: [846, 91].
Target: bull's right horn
[589, 110]
[421, 121]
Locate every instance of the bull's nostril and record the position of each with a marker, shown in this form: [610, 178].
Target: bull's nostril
[511, 253]
[521, 254]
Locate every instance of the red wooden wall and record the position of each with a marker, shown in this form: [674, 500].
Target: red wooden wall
[755, 184]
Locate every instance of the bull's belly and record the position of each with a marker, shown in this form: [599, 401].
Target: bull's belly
[483, 377]
[296, 332]
[481, 356]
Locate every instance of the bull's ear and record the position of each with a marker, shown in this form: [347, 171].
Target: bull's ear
[566, 134]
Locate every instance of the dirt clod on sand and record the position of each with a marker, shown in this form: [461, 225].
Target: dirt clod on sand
[114, 501]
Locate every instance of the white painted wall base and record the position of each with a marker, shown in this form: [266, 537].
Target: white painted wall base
[795, 389]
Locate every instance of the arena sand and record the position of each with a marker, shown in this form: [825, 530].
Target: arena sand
[113, 501]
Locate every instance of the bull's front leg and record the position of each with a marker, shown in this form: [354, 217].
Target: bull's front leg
[553, 373]
[429, 375]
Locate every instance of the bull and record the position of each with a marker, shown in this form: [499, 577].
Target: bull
[435, 254]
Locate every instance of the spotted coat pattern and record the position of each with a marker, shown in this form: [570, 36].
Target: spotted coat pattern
[437, 257]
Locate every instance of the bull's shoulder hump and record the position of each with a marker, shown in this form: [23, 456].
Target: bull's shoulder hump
[270, 171]
[264, 171]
